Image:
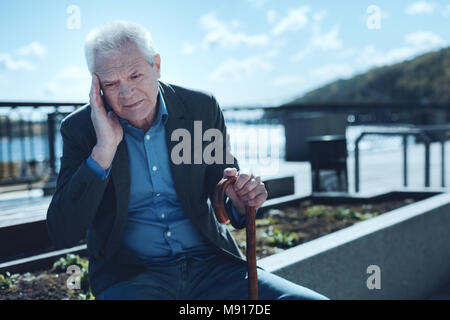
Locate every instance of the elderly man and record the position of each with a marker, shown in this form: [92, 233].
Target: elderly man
[151, 232]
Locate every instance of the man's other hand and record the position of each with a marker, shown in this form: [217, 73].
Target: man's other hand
[247, 190]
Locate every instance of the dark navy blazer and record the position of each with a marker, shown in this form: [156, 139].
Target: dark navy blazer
[85, 206]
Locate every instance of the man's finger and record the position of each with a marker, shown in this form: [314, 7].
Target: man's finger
[94, 84]
[242, 180]
[229, 172]
[249, 186]
[260, 188]
[258, 201]
[94, 95]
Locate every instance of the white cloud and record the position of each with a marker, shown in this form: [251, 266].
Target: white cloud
[257, 3]
[446, 11]
[234, 69]
[220, 34]
[416, 43]
[332, 71]
[300, 55]
[188, 48]
[425, 40]
[7, 62]
[319, 16]
[420, 7]
[320, 41]
[73, 73]
[272, 53]
[12, 62]
[296, 19]
[327, 41]
[70, 83]
[369, 56]
[288, 80]
[34, 48]
[272, 16]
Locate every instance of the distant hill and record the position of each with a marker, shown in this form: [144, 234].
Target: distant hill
[424, 79]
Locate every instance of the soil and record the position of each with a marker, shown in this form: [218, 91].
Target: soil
[41, 285]
[279, 229]
[276, 230]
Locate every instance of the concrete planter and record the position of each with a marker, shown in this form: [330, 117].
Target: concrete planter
[410, 246]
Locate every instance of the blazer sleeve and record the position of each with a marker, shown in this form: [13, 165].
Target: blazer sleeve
[78, 194]
[215, 171]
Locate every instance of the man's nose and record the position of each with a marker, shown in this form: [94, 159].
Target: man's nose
[126, 90]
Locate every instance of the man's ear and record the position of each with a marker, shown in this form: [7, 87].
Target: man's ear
[157, 63]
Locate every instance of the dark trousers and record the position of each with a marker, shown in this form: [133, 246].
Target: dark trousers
[214, 278]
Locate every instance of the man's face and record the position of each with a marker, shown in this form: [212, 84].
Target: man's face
[129, 82]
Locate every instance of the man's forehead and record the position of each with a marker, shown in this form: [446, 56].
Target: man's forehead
[110, 68]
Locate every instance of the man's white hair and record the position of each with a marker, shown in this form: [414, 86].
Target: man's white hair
[114, 36]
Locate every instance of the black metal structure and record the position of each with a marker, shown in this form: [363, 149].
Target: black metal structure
[328, 153]
[29, 142]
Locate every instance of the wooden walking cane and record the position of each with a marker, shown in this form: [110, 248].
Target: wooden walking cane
[219, 208]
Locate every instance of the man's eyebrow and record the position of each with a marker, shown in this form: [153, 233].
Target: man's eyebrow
[108, 80]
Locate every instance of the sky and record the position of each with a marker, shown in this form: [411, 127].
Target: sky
[244, 52]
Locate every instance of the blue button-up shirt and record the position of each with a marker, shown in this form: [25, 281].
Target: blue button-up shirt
[158, 229]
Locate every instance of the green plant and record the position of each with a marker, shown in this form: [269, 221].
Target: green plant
[338, 213]
[5, 281]
[345, 214]
[70, 259]
[87, 296]
[316, 211]
[8, 280]
[62, 264]
[283, 239]
[265, 222]
[368, 215]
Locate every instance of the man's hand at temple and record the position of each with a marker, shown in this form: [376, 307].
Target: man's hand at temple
[106, 125]
[247, 190]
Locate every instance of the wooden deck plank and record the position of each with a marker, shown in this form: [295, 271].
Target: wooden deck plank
[17, 212]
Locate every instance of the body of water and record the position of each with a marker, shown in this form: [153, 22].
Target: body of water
[248, 141]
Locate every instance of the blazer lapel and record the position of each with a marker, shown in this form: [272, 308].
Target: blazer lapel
[180, 173]
[177, 120]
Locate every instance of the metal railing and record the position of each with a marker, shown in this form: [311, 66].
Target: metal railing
[423, 133]
[254, 137]
[29, 140]
[30, 143]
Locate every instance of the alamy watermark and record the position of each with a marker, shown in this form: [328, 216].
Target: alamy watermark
[211, 147]
[374, 280]
[373, 22]
[74, 280]
[74, 19]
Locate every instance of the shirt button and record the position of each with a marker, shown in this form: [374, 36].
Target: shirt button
[147, 137]
[163, 215]
[158, 194]
[154, 168]
[169, 233]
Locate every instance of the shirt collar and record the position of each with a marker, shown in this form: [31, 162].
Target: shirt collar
[160, 118]
[162, 109]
